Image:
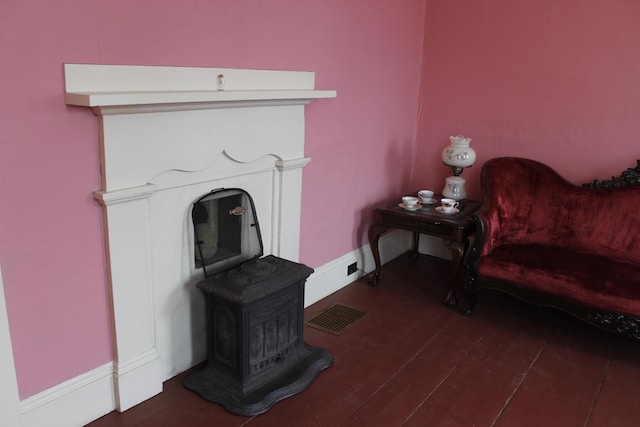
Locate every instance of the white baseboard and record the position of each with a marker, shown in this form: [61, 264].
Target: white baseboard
[89, 396]
[75, 402]
[332, 276]
[137, 380]
[84, 398]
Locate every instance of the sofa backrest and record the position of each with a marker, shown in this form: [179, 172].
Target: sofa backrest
[525, 201]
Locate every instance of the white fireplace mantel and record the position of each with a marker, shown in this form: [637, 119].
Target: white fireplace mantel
[168, 135]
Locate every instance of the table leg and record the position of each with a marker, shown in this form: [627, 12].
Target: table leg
[374, 235]
[413, 256]
[457, 250]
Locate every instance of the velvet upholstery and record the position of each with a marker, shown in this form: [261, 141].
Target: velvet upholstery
[528, 202]
[539, 232]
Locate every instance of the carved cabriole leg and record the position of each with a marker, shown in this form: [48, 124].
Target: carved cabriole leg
[457, 250]
[450, 300]
[375, 231]
[470, 292]
[471, 276]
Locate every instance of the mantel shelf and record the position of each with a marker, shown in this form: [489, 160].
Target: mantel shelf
[117, 89]
[113, 99]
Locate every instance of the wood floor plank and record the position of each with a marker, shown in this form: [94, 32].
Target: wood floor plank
[483, 382]
[407, 390]
[561, 387]
[618, 401]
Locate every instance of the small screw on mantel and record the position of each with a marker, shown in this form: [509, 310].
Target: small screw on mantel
[220, 81]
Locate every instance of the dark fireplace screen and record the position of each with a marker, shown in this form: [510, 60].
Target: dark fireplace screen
[226, 230]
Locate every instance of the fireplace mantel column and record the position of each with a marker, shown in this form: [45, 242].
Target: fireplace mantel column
[287, 245]
[137, 371]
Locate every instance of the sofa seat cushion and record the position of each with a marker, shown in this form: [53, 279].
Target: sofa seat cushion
[592, 279]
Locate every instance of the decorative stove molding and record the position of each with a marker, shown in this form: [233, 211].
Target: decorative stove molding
[168, 135]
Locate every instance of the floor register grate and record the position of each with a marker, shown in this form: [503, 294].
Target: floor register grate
[335, 319]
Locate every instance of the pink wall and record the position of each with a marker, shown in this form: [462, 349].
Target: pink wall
[533, 79]
[51, 248]
[556, 81]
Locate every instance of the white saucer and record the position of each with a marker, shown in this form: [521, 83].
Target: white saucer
[410, 209]
[453, 211]
[430, 201]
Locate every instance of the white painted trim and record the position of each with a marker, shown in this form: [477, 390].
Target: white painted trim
[137, 373]
[75, 402]
[288, 186]
[126, 89]
[285, 165]
[137, 380]
[87, 397]
[106, 198]
[9, 397]
[144, 78]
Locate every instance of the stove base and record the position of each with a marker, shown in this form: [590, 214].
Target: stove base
[213, 387]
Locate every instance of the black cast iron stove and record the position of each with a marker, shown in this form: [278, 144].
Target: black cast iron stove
[256, 354]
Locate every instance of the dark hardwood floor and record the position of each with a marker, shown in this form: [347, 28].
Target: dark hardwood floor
[411, 361]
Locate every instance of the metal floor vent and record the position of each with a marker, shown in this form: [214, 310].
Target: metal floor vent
[335, 319]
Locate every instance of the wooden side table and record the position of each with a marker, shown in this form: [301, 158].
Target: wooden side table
[454, 229]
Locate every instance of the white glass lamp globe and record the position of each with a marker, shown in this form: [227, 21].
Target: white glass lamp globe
[458, 155]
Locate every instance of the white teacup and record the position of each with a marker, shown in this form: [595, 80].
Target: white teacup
[425, 195]
[410, 201]
[448, 205]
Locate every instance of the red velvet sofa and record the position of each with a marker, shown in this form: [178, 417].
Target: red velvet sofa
[552, 243]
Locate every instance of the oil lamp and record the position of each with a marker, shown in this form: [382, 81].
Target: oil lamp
[458, 155]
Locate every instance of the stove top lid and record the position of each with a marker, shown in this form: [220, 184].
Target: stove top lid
[226, 230]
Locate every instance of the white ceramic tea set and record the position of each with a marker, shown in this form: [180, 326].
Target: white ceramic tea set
[425, 197]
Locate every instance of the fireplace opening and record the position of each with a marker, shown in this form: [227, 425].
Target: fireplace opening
[254, 308]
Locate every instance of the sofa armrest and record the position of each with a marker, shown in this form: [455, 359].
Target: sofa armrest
[509, 188]
[488, 226]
